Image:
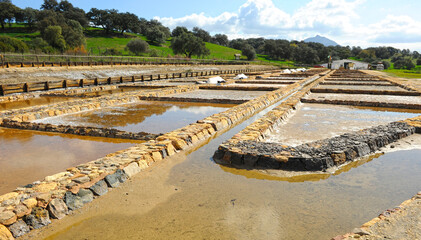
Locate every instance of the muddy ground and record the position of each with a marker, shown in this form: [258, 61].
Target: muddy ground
[20, 75]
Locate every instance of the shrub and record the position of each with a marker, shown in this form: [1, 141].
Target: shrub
[137, 46]
[249, 52]
[9, 44]
[112, 51]
[419, 61]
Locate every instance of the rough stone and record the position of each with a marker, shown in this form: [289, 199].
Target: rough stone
[7, 218]
[30, 202]
[72, 201]
[122, 177]
[8, 196]
[43, 199]
[19, 228]
[85, 195]
[100, 188]
[5, 234]
[38, 218]
[83, 179]
[132, 169]
[45, 187]
[21, 210]
[112, 180]
[57, 208]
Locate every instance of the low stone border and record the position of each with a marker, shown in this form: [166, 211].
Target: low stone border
[79, 130]
[57, 109]
[359, 91]
[315, 156]
[32, 206]
[245, 149]
[364, 230]
[363, 103]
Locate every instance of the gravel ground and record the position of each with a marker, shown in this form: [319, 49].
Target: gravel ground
[19, 75]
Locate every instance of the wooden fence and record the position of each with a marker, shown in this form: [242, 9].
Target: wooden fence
[6, 89]
[16, 60]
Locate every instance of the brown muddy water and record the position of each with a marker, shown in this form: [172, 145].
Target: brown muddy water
[146, 116]
[311, 122]
[28, 156]
[191, 197]
[32, 102]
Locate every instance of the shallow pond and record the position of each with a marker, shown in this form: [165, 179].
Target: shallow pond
[28, 156]
[146, 116]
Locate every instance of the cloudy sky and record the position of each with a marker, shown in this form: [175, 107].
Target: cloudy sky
[349, 22]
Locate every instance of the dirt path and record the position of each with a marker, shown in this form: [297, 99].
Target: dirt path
[19, 75]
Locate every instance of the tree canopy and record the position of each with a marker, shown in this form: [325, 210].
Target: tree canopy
[189, 45]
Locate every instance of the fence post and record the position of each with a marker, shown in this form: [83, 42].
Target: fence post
[46, 86]
[81, 83]
[1, 90]
[64, 83]
[142, 78]
[25, 87]
[133, 78]
[96, 81]
[121, 79]
[109, 80]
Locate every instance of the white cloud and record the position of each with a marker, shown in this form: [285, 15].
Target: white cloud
[336, 19]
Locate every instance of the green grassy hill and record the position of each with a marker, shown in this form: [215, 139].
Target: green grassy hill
[98, 43]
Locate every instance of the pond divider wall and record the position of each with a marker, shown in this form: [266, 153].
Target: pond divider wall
[32, 206]
[246, 150]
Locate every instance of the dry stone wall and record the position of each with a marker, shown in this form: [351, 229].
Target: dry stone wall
[34, 205]
[246, 150]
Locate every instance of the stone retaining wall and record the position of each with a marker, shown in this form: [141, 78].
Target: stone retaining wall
[33, 205]
[79, 130]
[246, 150]
[360, 91]
[57, 109]
[363, 103]
[315, 156]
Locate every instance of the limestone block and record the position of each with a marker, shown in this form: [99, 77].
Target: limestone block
[57, 208]
[21, 210]
[5, 234]
[45, 187]
[30, 203]
[7, 218]
[132, 169]
[8, 196]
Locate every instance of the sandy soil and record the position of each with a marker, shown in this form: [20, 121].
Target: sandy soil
[19, 75]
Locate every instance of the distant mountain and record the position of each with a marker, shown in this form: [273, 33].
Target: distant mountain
[322, 40]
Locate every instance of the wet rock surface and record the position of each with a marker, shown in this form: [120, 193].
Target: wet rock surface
[318, 155]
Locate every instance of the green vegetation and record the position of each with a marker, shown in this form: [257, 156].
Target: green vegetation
[402, 73]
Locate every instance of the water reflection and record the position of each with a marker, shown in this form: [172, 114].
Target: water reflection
[27, 156]
[151, 117]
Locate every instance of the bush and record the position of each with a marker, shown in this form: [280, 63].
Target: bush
[153, 53]
[406, 63]
[419, 61]
[137, 46]
[40, 45]
[9, 44]
[54, 37]
[249, 52]
[156, 35]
